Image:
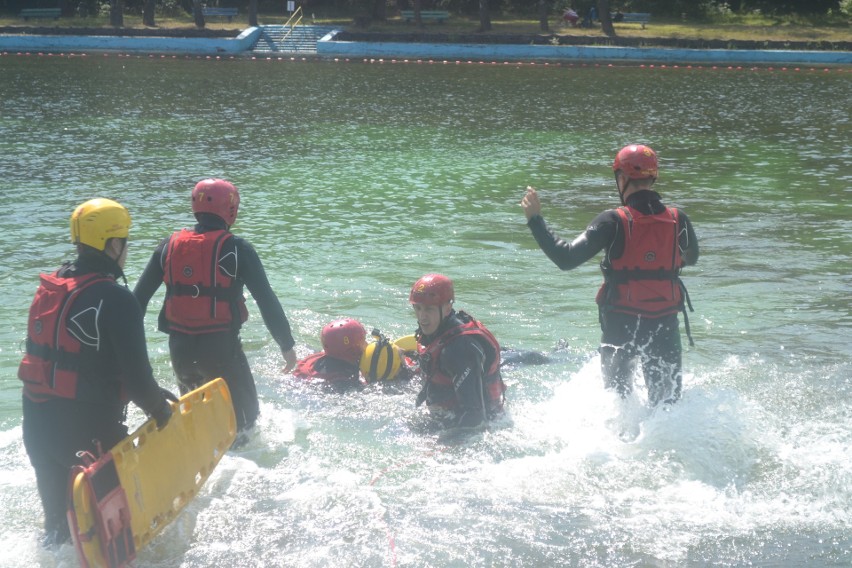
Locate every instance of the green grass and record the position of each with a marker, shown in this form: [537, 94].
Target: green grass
[729, 28]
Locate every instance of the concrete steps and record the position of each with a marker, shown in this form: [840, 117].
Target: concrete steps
[302, 39]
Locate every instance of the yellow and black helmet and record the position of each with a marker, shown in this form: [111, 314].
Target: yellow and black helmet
[97, 220]
[381, 361]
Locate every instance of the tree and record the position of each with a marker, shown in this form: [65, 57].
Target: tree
[484, 16]
[67, 9]
[148, 13]
[606, 19]
[543, 13]
[197, 14]
[116, 13]
[380, 10]
[253, 13]
[418, 21]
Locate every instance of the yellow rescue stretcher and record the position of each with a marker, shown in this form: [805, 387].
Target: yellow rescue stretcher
[121, 501]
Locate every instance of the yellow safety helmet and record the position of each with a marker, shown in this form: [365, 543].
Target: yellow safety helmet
[97, 220]
[381, 361]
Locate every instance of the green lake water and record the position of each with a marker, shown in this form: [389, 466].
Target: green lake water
[358, 178]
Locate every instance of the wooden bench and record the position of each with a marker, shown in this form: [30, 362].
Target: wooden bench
[632, 18]
[221, 12]
[439, 16]
[28, 13]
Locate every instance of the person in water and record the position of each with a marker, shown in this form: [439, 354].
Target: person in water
[343, 343]
[458, 358]
[204, 270]
[645, 244]
[86, 358]
[347, 359]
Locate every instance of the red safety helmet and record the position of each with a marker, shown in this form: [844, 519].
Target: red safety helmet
[636, 161]
[344, 339]
[432, 290]
[218, 197]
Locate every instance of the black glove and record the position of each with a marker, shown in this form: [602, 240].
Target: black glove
[169, 395]
[163, 412]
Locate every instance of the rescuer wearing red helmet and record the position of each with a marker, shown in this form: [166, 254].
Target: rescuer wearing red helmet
[343, 342]
[204, 270]
[459, 358]
[86, 358]
[645, 244]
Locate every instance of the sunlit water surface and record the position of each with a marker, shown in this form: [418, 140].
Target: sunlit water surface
[355, 180]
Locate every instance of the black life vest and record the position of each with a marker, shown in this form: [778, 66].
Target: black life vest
[201, 295]
[441, 389]
[50, 367]
[646, 279]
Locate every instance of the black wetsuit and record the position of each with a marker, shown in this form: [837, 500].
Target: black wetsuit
[200, 358]
[465, 359]
[655, 341]
[113, 366]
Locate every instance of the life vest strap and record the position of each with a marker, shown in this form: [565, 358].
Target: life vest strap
[63, 359]
[223, 293]
[625, 275]
[686, 302]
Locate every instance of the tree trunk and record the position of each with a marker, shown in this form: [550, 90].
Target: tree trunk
[418, 21]
[197, 14]
[543, 13]
[116, 13]
[606, 19]
[253, 13]
[380, 10]
[148, 13]
[484, 16]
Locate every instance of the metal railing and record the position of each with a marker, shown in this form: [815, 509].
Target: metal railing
[297, 16]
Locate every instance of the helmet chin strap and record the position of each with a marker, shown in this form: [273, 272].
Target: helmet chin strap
[441, 316]
[114, 259]
[621, 192]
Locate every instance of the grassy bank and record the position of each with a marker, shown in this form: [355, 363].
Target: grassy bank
[732, 29]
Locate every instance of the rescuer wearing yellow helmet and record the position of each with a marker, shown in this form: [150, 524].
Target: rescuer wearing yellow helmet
[86, 358]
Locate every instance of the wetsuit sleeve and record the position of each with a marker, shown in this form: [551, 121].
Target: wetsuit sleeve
[151, 277]
[687, 240]
[251, 272]
[598, 235]
[123, 330]
[463, 360]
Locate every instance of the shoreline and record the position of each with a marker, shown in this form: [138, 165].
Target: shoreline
[356, 44]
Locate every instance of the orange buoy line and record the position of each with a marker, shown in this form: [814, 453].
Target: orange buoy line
[395, 61]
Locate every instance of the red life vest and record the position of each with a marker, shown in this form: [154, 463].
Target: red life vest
[201, 296]
[317, 367]
[50, 367]
[430, 357]
[646, 279]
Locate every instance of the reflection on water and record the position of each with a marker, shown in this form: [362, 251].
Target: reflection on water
[356, 179]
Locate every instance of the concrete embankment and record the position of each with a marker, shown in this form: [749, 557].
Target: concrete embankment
[330, 47]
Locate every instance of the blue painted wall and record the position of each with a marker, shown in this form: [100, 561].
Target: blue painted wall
[195, 46]
[327, 47]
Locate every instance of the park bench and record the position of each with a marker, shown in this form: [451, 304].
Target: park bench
[28, 13]
[633, 18]
[221, 12]
[439, 16]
